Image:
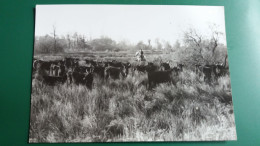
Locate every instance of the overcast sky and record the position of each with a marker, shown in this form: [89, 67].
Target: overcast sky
[133, 23]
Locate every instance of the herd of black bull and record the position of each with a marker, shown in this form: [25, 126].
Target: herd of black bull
[69, 70]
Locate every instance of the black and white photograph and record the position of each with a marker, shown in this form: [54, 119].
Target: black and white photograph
[130, 73]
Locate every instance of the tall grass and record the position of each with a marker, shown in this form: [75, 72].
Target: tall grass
[124, 110]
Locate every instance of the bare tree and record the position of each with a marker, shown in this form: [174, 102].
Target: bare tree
[54, 38]
[215, 35]
[193, 38]
[69, 41]
[83, 42]
[158, 44]
[194, 47]
[225, 61]
[176, 45]
[75, 40]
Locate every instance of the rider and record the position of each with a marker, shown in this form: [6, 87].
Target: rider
[142, 54]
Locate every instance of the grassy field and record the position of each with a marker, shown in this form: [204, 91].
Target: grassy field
[124, 110]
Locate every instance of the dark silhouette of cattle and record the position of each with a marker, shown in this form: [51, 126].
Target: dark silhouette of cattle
[83, 69]
[152, 67]
[68, 62]
[47, 67]
[99, 71]
[140, 68]
[145, 68]
[43, 67]
[180, 67]
[62, 71]
[126, 66]
[53, 80]
[165, 66]
[114, 72]
[221, 70]
[91, 62]
[54, 70]
[197, 68]
[35, 64]
[50, 68]
[207, 71]
[176, 71]
[157, 77]
[210, 71]
[71, 63]
[50, 72]
[80, 78]
[115, 64]
[101, 64]
[114, 69]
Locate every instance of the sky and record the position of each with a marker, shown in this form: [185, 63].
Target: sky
[132, 23]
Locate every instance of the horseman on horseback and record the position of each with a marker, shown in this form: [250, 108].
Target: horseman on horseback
[140, 55]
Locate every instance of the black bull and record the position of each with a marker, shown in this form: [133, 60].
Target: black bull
[53, 80]
[209, 70]
[80, 78]
[115, 72]
[156, 77]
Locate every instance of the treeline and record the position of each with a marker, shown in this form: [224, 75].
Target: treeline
[49, 44]
[194, 48]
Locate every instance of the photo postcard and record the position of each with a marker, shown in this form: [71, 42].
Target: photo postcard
[130, 73]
